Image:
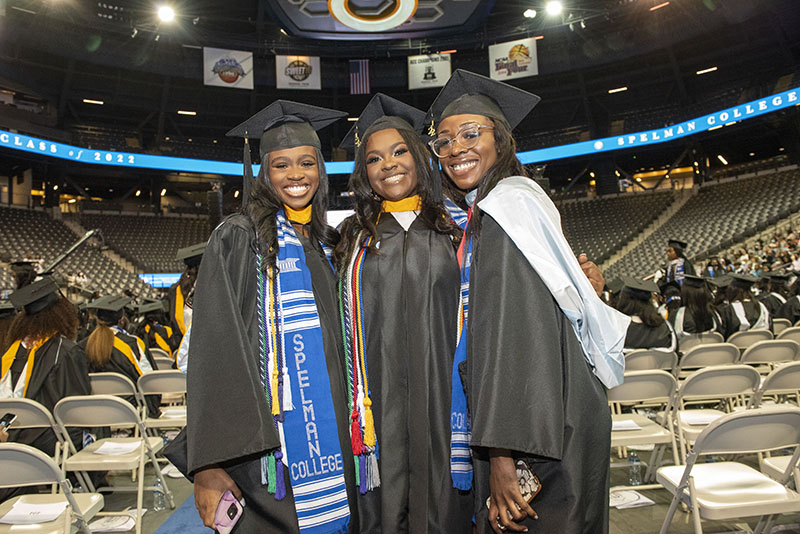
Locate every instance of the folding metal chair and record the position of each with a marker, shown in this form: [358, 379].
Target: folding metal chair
[170, 383]
[691, 341]
[644, 360]
[792, 333]
[107, 410]
[115, 384]
[767, 354]
[705, 356]
[727, 490]
[652, 387]
[31, 414]
[748, 337]
[24, 466]
[162, 363]
[723, 386]
[779, 325]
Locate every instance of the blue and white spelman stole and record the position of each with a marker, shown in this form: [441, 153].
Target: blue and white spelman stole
[460, 453]
[295, 379]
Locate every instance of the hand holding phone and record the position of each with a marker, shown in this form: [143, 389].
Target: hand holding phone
[6, 421]
[228, 513]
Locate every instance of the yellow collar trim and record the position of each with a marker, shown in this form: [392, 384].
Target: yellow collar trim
[8, 359]
[302, 216]
[411, 203]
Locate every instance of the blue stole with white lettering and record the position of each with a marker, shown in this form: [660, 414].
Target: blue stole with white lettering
[460, 430]
[295, 378]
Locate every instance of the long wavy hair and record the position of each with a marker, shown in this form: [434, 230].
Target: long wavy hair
[507, 164]
[264, 203]
[698, 302]
[631, 306]
[368, 204]
[59, 318]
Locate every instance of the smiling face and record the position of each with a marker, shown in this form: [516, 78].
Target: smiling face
[294, 174]
[391, 170]
[466, 166]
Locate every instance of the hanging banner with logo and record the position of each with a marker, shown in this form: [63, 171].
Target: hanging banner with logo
[428, 70]
[514, 59]
[298, 72]
[228, 68]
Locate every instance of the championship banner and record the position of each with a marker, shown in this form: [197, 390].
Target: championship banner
[228, 68]
[298, 72]
[514, 59]
[428, 70]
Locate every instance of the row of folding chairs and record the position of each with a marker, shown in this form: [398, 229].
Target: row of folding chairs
[782, 329]
[108, 454]
[164, 360]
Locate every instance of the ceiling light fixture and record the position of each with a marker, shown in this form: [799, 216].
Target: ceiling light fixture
[185, 112]
[659, 6]
[95, 102]
[166, 14]
[706, 71]
[529, 13]
[554, 8]
[722, 159]
[617, 90]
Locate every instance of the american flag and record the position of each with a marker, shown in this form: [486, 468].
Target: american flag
[359, 77]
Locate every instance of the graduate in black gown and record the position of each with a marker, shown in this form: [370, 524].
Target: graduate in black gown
[696, 314]
[235, 411]
[531, 392]
[179, 294]
[648, 329]
[153, 332]
[677, 263]
[7, 313]
[42, 362]
[777, 292]
[791, 308]
[399, 273]
[743, 312]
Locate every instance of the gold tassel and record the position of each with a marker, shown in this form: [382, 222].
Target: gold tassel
[369, 423]
[431, 129]
[276, 407]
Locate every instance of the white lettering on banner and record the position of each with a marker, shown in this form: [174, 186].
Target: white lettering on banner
[343, 12]
[316, 466]
[304, 383]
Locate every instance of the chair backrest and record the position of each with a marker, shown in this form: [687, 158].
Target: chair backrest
[30, 414]
[111, 384]
[161, 382]
[163, 363]
[779, 325]
[710, 354]
[784, 379]
[771, 351]
[638, 386]
[749, 431]
[719, 382]
[792, 333]
[159, 353]
[691, 341]
[748, 337]
[95, 410]
[644, 359]
[23, 465]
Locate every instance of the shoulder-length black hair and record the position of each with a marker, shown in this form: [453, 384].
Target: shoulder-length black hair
[698, 302]
[631, 306]
[507, 164]
[368, 204]
[264, 203]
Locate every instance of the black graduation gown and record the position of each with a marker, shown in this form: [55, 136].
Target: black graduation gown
[731, 322]
[689, 325]
[172, 299]
[411, 291]
[641, 336]
[530, 390]
[229, 424]
[170, 336]
[772, 303]
[790, 310]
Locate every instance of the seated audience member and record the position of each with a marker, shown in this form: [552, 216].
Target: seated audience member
[696, 314]
[7, 313]
[648, 330]
[743, 311]
[155, 334]
[776, 292]
[670, 298]
[791, 308]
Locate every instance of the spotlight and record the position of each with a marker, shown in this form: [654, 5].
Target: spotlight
[166, 14]
[138, 192]
[529, 13]
[554, 8]
[583, 24]
[55, 187]
[236, 194]
[163, 192]
[722, 159]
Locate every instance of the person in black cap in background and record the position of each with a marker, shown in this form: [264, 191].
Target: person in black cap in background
[24, 272]
[719, 286]
[677, 264]
[155, 334]
[41, 360]
[7, 313]
[791, 308]
[112, 350]
[267, 262]
[533, 393]
[743, 312]
[179, 296]
[648, 329]
[776, 292]
[400, 285]
[696, 314]
[670, 298]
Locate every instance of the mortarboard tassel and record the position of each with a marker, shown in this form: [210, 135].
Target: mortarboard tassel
[247, 179]
[355, 433]
[280, 488]
[271, 478]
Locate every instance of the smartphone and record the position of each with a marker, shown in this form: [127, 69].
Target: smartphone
[6, 421]
[229, 510]
[529, 485]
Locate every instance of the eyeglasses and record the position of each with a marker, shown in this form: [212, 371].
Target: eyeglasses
[467, 137]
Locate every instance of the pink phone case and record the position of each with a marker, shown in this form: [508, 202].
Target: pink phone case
[228, 513]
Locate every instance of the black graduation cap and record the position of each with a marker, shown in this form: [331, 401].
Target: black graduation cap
[286, 124]
[662, 288]
[640, 289]
[722, 281]
[37, 296]
[615, 285]
[383, 112]
[109, 307]
[150, 307]
[691, 280]
[467, 92]
[7, 309]
[192, 254]
[677, 243]
[778, 276]
[743, 281]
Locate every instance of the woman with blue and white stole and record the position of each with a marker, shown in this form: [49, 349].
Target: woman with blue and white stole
[267, 416]
[537, 346]
[399, 288]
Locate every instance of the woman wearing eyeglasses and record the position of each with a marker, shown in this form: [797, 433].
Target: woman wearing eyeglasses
[399, 287]
[538, 347]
